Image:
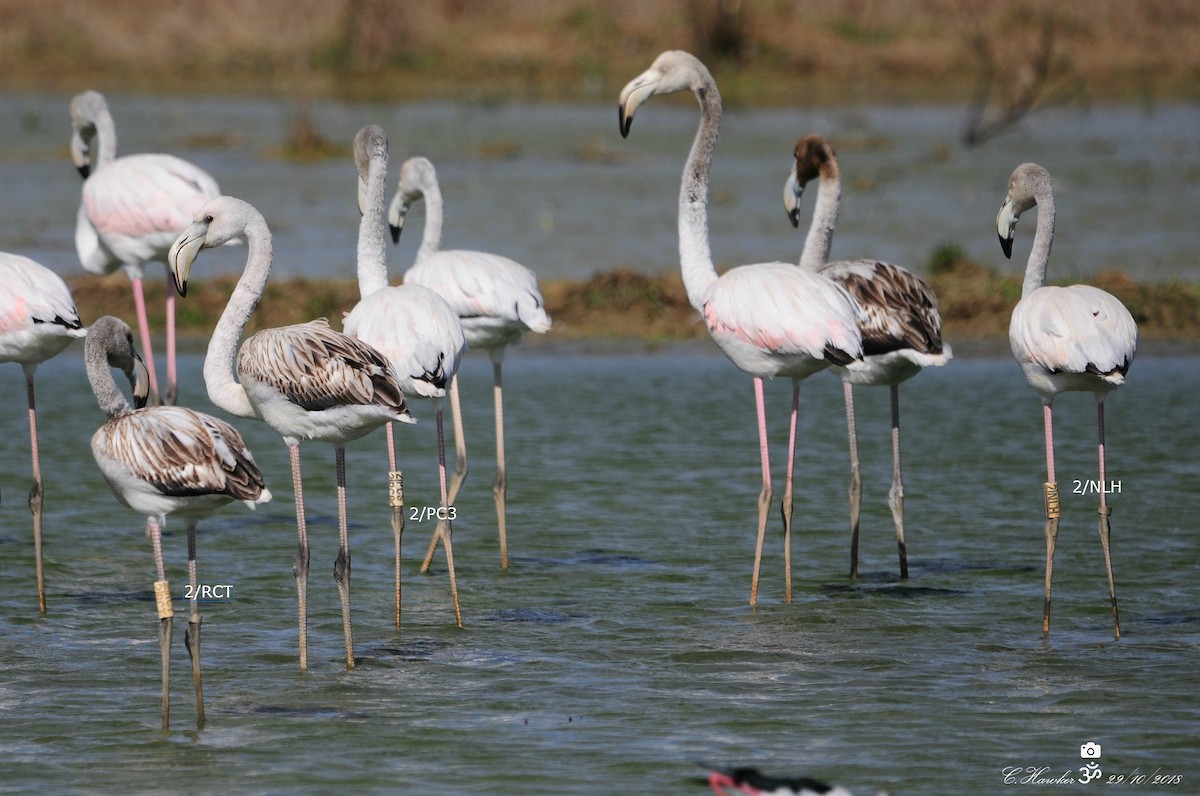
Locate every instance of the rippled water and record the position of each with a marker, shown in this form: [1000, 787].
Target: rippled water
[619, 650]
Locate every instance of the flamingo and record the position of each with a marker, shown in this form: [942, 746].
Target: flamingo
[131, 211]
[305, 381]
[38, 320]
[902, 330]
[1076, 338]
[412, 326]
[497, 300]
[770, 319]
[165, 460]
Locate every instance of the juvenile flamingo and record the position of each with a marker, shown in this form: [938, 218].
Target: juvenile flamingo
[770, 319]
[38, 320]
[1076, 338]
[165, 460]
[131, 211]
[305, 381]
[901, 330]
[412, 326]
[496, 298]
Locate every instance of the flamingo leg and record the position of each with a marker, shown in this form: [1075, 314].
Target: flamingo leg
[300, 567]
[896, 494]
[192, 639]
[341, 567]
[500, 486]
[171, 393]
[139, 304]
[764, 497]
[1105, 529]
[445, 526]
[396, 501]
[786, 506]
[35, 492]
[854, 493]
[460, 473]
[162, 595]
[1053, 512]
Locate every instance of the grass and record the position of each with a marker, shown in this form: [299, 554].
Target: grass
[975, 303]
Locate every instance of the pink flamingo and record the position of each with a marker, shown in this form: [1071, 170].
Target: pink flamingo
[38, 320]
[132, 210]
[770, 319]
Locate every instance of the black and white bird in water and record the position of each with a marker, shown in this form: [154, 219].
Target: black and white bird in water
[750, 781]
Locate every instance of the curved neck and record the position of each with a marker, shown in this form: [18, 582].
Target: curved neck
[220, 364]
[106, 140]
[1039, 255]
[695, 257]
[431, 238]
[820, 231]
[110, 398]
[372, 248]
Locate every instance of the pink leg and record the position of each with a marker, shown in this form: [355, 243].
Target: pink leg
[500, 486]
[139, 303]
[35, 492]
[445, 528]
[1052, 511]
[1105, 530]
[786, 508]
[171, 394]
[300, 567]
[764, 497]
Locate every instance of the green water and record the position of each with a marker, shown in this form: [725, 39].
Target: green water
[619, 652]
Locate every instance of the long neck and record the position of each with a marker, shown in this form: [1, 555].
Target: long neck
[372, 248]
[824, 220]
[220, 365]
[1039, 255]
[695, 258]
[110, 398]
[106, 140]
[431, 240]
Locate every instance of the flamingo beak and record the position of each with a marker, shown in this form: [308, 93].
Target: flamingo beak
[183, 253]
[397, 211]
[793, 189]
[81, 154]
[139, 377]
[1006, 223]
[636, 91]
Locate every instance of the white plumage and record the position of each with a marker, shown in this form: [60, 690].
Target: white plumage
[901, 327]
[38, 320]
[306, 381]
[412, 326]
[770, 319]
[131, 210]
[497, 300]
[1076, 338]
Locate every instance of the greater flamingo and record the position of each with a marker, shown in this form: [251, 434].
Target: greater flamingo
[131, 211]
[305, 381]
[497, 300]
[1075, 338]
[901, 330]
[412, 326]
[38, 320]
[165, 460]
[770, 319]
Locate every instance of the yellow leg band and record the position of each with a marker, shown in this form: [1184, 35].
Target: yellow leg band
[1053, 508]
[162, 598]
